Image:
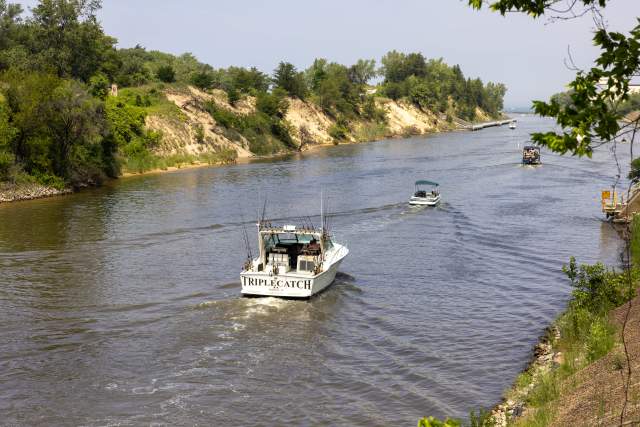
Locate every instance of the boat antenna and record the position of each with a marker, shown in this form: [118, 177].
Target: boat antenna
[245, 236]
[322, 208]
[264, 213]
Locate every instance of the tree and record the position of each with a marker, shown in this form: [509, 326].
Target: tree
[166, 74]
[66, 36]
[247, 80]
[316, 73]
[289, 79]
[76, 124]
[362, 71]
[9, 21]
[202, 80]
[593, 116]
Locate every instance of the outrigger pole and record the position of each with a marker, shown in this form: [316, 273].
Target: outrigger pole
[322, 209]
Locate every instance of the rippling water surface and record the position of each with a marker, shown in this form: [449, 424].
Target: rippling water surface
[120, 306]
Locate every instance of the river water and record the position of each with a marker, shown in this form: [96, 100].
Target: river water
[121, 306]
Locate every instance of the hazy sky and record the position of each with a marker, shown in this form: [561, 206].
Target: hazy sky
[527, 55]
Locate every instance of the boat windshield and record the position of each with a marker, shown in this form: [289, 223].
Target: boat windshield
[286, 239]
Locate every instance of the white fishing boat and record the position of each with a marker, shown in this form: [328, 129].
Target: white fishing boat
[294, 262]
[512, 125]
[423, 197]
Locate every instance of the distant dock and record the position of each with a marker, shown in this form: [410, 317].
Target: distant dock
[490, 124]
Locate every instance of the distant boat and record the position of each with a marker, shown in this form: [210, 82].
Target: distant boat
[423, 197]
[512, 125]
[531, 155]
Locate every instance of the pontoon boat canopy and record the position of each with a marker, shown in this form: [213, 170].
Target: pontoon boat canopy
[424, 182]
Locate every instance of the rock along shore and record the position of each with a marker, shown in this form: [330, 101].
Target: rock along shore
[14, 192]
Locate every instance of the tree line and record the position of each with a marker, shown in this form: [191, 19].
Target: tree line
[59, 126]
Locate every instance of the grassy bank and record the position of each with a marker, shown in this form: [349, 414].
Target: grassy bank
[583, 370]
[148, 161]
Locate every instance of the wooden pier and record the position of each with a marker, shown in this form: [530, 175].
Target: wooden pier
[490, 124]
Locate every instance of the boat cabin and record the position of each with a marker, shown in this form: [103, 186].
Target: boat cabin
[290, 249]
[531, 155]
[420, 192]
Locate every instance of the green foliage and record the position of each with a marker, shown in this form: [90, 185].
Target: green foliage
[434, 422]
[272, 104]
[233, 96]
[287, 78]
[203, 80]
[600, 340]
[586, 333]
[630, 105]
[7, 160]
[99, 86]
[339, 130]
[634, 241]
[595, 288]
[126, 121]
[362, 71]
[634, 172]
[372, 112]
[370, 132]
[166, 74]
[266, 134]
[482, 419]
[249, 81]
[57, 128]
[65, 36]
[199, 133]
[433, 85]
[593, 115]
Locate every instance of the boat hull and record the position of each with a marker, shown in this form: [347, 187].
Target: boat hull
[287, 285]
[421, 201]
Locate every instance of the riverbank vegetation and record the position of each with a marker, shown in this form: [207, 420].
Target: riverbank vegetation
[74, 109]
[583, 368]
[558, 387]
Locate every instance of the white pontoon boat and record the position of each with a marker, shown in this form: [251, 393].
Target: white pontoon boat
[293, 262]
[423, 197]
[512, 125]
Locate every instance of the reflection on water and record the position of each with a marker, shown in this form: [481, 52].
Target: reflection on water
[121, 305]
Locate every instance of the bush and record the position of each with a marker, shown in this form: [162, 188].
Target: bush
[233, 96]
[6, 162]
[99, 86]
[596, 288]
[338, 132]
[198, 131]
[601, 339]
[202, 80]
[434, 422]
[166, 74]
[272, 104]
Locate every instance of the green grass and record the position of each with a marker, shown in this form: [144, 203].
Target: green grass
[151, 97]
[147, 161]
[369, 131]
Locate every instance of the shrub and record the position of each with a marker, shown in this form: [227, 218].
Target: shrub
[596, 288]
[338, 132]
[233, 96]
[434, 422]
[99, 86]
[166, 74]
[601, 339]
[198, 131]
[6, 162]
[202, 80]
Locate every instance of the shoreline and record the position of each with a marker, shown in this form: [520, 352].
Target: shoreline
[11, 193]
